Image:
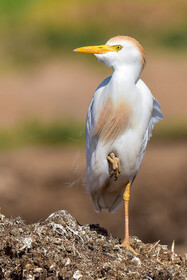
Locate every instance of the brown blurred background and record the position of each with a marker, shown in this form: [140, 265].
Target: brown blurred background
[45, 90]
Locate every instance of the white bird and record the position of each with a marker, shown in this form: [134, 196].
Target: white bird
[120, 119]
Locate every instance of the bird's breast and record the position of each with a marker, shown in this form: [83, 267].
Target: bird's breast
[112, 120]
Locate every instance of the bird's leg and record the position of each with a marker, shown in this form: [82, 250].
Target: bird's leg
[126, 198]
[116, 166]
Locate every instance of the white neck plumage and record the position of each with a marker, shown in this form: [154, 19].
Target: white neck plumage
[127, 74]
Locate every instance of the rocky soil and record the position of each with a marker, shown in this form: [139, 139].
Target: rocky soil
[61, 248]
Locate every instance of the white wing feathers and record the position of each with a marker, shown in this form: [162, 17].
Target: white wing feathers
[91, 141]
[156, 115]
[156, 112]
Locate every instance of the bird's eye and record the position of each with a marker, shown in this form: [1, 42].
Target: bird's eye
[118, 48]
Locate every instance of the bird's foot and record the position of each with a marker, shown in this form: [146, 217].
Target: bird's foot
[115, 165]
[128, 247]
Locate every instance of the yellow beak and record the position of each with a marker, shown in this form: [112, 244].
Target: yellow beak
[95, 49]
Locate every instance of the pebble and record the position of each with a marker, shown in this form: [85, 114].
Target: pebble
[77, 275]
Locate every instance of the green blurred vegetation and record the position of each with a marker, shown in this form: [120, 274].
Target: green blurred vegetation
[36, 133]
[71, 133]
[170, 130]
[32, 30]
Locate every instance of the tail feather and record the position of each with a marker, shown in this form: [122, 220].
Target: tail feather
[106, 199]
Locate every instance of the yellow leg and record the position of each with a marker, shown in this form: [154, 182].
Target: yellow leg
[116, 166]
[126, 198]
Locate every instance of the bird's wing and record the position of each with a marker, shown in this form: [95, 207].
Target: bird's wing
[91, 141]
[156, 114]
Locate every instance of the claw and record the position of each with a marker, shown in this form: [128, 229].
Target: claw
[128, 247]
[116, 166]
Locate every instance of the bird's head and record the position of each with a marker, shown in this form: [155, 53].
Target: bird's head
[118, 51]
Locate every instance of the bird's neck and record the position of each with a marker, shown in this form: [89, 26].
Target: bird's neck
[127, 74]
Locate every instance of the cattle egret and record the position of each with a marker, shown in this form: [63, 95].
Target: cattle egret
[120, 119]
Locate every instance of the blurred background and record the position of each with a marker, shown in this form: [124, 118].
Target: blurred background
[45, 90]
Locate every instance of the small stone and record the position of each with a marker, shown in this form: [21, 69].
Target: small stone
[30, 277]
[77, 275]
[2, 216]
[51, 268]
[68, 261]
[136, 261]
[27, 243]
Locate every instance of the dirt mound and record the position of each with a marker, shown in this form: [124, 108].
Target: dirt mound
[60, 248]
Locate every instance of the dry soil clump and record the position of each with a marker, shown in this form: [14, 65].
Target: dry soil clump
[61, 248]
